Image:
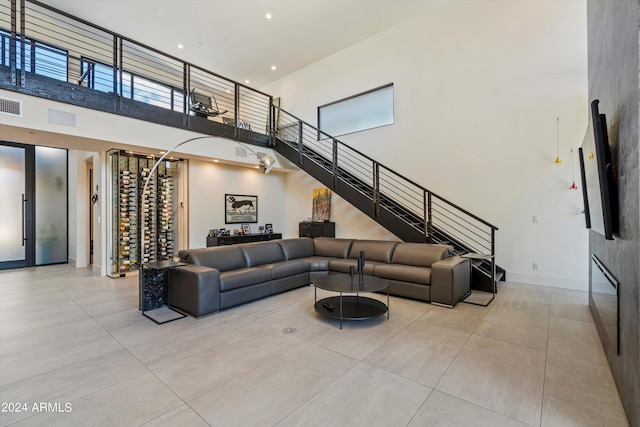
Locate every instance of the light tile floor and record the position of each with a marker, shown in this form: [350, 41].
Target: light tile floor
[77, 342]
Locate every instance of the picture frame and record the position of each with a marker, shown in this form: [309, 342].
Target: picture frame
[268, 228]
[240, 209]
[246, 229]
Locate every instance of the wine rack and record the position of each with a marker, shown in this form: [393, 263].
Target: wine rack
[142, 215]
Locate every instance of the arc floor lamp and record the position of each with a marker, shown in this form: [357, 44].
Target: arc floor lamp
[265, 164]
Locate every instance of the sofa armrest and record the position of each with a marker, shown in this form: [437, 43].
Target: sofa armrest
[195, 289]
[450, 280]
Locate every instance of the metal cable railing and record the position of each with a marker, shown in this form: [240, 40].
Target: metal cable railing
[41, 44]
[430, 217]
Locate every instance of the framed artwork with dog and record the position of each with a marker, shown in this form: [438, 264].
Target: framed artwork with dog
[240, 208]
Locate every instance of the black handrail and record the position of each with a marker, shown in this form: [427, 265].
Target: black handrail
[152, 49]
[161, 79]
[466, 212]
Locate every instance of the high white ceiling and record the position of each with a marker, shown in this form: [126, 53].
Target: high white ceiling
[234, 38]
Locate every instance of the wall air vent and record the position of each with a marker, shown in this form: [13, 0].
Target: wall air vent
[10, 106]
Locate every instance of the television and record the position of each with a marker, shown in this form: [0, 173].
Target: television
[598, 171]
[585, 196]
[199, 98]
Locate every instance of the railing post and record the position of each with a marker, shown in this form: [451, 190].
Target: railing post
[236, 108]
[334, 168]
[493, 260]
[186, 84]
[271, 125]
[428, 216]
[117, 88]
[121, 71]
[23, 39]
[12, 45]
[376, 189]
[300, 143]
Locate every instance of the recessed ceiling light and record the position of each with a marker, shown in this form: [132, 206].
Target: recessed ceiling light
[228, 91]
[268, 15]
[180, 46]
[162, 152]
[247, 81]
[216, 160]
[273, 67]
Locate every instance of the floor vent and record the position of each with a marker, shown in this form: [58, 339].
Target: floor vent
[10, 106]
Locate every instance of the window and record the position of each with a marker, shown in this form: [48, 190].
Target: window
[99, 76]
[5, 48]
[359, 112]
[48, 61]
[39, 58]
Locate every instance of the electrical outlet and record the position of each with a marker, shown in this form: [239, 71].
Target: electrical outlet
[536, 266]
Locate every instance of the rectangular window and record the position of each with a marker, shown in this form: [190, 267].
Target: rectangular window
[96, 75]
[356, 113]
[150, 92]
[39, 58]
[5, 48]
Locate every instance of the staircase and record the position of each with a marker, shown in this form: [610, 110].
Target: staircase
[408, 210]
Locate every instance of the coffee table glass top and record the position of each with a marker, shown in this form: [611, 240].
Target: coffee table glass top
[345, 283]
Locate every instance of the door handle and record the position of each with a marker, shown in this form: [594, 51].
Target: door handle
[24, 219]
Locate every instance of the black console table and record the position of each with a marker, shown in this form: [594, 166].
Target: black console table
[317, 229]
[244, 238]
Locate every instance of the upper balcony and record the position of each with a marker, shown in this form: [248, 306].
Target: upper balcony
[48, 53]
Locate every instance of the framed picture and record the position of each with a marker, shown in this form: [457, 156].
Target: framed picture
[246, 229]
[239, 208]
[321, 209]
[268, 228]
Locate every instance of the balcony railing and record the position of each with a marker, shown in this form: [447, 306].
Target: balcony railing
[45, 46]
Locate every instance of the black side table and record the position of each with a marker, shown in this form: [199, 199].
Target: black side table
[481, 257]
[153, 277]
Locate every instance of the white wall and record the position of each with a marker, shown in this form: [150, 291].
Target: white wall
[478, 87]
[95, 131]
[350, 222]
[208, 184]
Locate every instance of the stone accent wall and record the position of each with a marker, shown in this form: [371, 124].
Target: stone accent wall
[613, 35]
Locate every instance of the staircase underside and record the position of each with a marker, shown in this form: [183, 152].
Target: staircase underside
[403, 223]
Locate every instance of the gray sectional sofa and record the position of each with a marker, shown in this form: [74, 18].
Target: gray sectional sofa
[220, 277]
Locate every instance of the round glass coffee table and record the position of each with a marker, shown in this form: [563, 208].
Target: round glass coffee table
[352, 306]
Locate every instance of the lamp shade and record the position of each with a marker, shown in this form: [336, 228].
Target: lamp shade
[266, 163]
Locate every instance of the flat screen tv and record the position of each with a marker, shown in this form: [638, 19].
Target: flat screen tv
[600, 191]
[585, 196]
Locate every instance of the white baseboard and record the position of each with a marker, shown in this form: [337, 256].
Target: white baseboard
[77, 263]
[555, 282]
[98, 269]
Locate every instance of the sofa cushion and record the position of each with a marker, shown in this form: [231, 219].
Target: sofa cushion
[332, 247]
[374, 250]
[317, 263]
[287, 268]
[222, 258]
[403, 273]
[244, 277]
[420, 254]
[260, 253]
[297, 248]
[342, 265]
